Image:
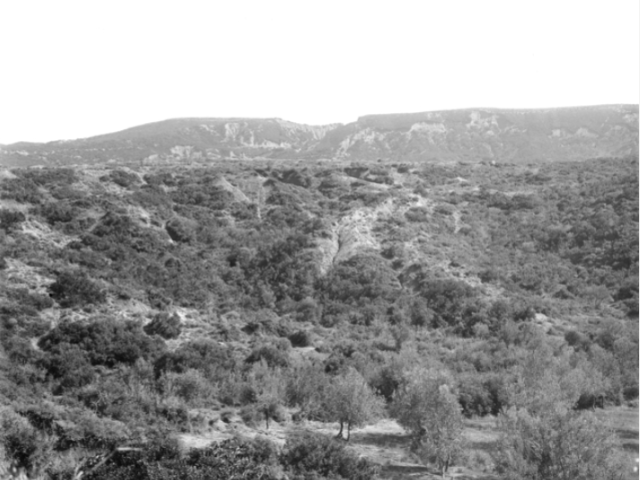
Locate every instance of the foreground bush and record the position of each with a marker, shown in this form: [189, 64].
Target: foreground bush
[558, 444]
[222, 461]
[21, 443]
[310, 455]
[305, 456]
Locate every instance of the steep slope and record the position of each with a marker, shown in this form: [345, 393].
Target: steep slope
[471, 135]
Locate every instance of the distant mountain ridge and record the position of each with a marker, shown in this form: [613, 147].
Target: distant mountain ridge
[468, 135]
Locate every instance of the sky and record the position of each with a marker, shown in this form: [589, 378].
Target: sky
[73, 69]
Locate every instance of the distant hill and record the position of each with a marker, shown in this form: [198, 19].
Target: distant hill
[469, 135]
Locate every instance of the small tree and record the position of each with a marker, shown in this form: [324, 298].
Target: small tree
[545, 377]
[305, 389]
[270, 387]
[557, 444]
[425, 406]
[350, 401]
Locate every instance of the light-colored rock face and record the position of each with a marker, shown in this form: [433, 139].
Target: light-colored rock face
[354, 233]
[518, 136]
[474, 135]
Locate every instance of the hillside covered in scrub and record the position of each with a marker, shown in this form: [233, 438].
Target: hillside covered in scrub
[467, 135]
[143, 303]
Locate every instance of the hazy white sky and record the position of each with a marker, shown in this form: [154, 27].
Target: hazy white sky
[73, 69]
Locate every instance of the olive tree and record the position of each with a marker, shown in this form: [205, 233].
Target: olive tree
[425, 406]
[269, 387]
[556, 444]
[350, 401]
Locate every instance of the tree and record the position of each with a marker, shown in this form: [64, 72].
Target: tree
[426, 407]
[270, 387]
[545, 377]
[349, 400]
[557, 444]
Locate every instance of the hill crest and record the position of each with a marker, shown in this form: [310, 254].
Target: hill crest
[467, 135]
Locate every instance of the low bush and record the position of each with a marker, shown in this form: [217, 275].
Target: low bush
[274, 357]
[190, 386]
[215, 361]
[69, 366]
[10, 219]
[122, 178]
[301, 338]
[482, 394]
[29, 299]
[558, 444]
[22, 443]
[307, 454]
[104, 341]
[75, 288]
[165, 325]
[255, 459]
[57, 212]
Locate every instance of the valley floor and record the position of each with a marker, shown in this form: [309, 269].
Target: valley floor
[387, 444]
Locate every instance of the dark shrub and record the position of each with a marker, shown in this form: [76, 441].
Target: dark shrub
[181, 230]
[57, 212]
[630, 392]
[221, 461]
[588, 401]
[122, 178]
[51, 176]
[627, 295]
[361, 278]
[453, 302]
[212, 359]
[301, 338]
[473, 397]
[176, 414]
[76, 288]
[165, 325]
[32, 300]
[308, 453]
[70, 366]
[270, 354]
[576, 339]
[105, 341]
[10, 219]
[482, 394]
[21, 190]
[417, 214]
[386, 381]
[21, 442]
